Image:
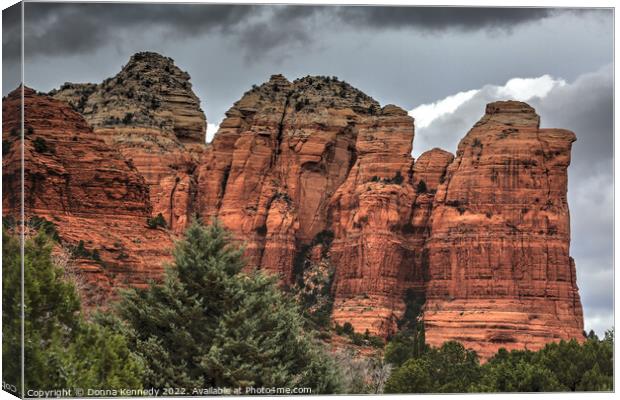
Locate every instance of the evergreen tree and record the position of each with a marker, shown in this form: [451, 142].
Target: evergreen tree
[61, 350]
[11, 311]
[99, 358]
[448, 369]
[454, 368]
[571, 361]
[209, 325]
[515, 372]
[412, 377]
[409, 342]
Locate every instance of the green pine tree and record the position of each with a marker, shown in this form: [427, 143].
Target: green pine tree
[61, 349]
[11, 311]
[210, 325]
[448, 369]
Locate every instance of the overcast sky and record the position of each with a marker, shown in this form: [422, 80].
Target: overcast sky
[444, 64]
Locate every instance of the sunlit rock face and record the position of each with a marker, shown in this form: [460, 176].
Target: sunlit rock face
[149, 113]
[97, 200]
[500, 273]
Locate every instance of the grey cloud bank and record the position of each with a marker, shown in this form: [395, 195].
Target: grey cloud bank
[74, 28]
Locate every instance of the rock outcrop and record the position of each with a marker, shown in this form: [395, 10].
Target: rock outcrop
[149, 112]
[315, 163]
[97, 201]
[500, 274]
[371, 211]
[317, 180]
[277, 159]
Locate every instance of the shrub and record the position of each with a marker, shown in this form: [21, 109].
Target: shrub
[262, 230]
[397, 179]
[324, 238]
[376, 341]
[40, 145]
[408, 228]
[421, 187]
[154, 222]
[127, 118]
[43, 225]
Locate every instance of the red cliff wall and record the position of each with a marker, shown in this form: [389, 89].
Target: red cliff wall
[500, 274]
[315, 175]
[150, 114]
[86, 189]
[297, 161]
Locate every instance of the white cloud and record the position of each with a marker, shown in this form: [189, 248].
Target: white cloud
[426, 113]
[211, 130]
[522, 89]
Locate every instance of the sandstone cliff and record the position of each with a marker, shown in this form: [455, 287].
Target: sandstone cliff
[92, 195]
[500, 274]
[318, 182]
[150, 114]
[315, 163]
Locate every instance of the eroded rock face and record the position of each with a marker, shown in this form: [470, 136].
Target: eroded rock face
[371, 211]
[317, 180]
[280, 154]
[149, 113]
[500, 274]
[297, 162]
[86, 188]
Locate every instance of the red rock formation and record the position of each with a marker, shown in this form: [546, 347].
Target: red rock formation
[314, 177]
[86, 189]
[149, 113]
[428, 172]
[499, 265]
[370, 211]
[316, 158]
[280, 154]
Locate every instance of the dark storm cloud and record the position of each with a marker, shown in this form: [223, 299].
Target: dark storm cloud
[11, 32]
[441, 18]
[60, 29]
[67, 29]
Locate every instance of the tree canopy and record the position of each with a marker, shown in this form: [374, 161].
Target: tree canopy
[61, 348]
[208, 324]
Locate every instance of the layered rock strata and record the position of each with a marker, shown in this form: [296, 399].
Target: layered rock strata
[97, 201]
[315, 162]
[500, 274]
[371, 213]
[149, 112]
[317, 180]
